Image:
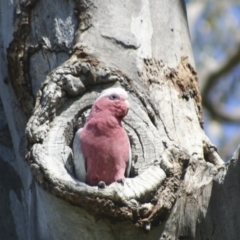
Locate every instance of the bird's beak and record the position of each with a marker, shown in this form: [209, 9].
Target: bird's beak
[127, 103]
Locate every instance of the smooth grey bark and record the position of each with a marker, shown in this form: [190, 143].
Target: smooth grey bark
[55, 59]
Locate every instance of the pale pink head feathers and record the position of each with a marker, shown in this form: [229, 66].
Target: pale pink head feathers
[113, 100]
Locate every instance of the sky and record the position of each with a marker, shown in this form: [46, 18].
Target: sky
[215, 35]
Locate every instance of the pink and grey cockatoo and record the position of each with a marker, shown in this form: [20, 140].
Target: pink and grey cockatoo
[102, 151]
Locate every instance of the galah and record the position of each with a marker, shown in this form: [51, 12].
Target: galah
[102, 151]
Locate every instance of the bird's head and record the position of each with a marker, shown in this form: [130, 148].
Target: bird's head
[113, 100]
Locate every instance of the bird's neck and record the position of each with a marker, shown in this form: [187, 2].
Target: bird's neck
[104, 115]
[103, 122]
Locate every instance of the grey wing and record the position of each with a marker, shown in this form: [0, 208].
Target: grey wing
[79, 160]
[129, 164]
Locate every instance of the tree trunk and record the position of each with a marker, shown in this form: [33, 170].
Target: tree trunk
[55, 59]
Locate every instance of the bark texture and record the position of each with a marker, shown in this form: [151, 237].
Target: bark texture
[54, 63]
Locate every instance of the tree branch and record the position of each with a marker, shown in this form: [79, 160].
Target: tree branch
[216, 110]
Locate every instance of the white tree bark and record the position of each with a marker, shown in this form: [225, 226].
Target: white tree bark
[55, 59]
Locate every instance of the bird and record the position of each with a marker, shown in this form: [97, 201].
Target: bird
[102, 151]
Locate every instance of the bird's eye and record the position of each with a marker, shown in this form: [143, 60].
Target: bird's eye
[114, 97]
